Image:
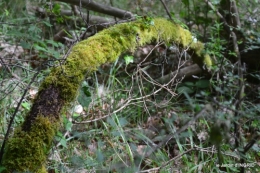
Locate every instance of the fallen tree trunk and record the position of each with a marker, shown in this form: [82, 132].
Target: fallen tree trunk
[28, 149]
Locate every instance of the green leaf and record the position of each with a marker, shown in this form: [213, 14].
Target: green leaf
[26, 105]
[100, 156]
[202, 84]
[75, 115]
[43, 55]
[60, 138]
[47, 23]
[185, 134]
[68, 124]
[189, 84]
[59, 19]
[25, 45]
[111, 122]
[56, 9]
[77, 161]
[55, 54]
[53, 43]
[86, 91]
[63, 142]
[84, 97]
[128, 59]
[6, 12]
[115, 133]
[185, 89]
[123, 121]
[185, 2]
[2, 168]
[39, 48]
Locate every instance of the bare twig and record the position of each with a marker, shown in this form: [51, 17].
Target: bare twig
[94, 6]
[8, 69]
[166, 9]
[235, 15]
[252, 142]
[122, 106]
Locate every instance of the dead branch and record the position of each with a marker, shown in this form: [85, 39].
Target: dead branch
[182, 73]
[93, 6]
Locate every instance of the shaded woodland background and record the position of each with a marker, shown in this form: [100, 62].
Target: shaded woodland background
[154, 109]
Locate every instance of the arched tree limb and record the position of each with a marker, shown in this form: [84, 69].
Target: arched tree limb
[27, 150]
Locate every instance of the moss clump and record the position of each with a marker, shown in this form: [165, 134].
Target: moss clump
[27, 151]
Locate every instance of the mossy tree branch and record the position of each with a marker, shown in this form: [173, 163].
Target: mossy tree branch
[27, 150]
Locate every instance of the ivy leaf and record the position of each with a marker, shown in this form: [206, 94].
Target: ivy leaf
[84, 97]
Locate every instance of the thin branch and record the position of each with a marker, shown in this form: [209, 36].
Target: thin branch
[94, 6]
[181, 73]
[166, 9]
[252, 142]
[235, 15]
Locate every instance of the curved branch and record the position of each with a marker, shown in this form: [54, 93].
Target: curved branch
[61, 86]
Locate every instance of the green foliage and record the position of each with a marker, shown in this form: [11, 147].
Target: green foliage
[61, 139]
[191, 87]
[217, 45]
[84, 97]
[56, 11]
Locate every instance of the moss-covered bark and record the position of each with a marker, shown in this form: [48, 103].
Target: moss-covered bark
[28, 148]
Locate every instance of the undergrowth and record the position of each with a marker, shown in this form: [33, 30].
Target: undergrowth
[125, 121]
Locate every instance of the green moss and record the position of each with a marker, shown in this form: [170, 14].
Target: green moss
[28, 150]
